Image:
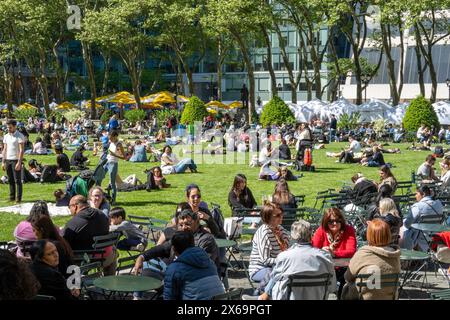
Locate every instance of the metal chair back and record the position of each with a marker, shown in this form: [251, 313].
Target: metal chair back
[300, 280]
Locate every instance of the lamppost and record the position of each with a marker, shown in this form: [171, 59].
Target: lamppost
[448, 86]
[365, 78]
[279, 88]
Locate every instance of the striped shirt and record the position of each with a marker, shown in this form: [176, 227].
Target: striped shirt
[265, 249]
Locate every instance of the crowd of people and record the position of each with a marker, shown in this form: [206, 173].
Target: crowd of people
[186, 256]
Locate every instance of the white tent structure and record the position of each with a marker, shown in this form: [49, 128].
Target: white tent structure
[374, 110]
[341, 106]
[442, 109]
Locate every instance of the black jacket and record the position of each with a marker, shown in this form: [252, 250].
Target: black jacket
[63, 163]
[378, 158]
[284, 152]
[78, 159]
[85, 225]
[245, 201]
[51, 280]
[202, 238]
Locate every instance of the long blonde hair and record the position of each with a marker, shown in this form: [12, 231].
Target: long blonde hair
[387, 206]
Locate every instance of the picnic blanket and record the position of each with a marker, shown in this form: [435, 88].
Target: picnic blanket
[25, 208]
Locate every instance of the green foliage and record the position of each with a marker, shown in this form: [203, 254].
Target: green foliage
[74, 114]
[349, 121]
[163, 115]
[276, 112]
[419, 112]
[379, 125]
[106, 115]
[57, 114]
[194, 110]
[23, 114]
[135, 115]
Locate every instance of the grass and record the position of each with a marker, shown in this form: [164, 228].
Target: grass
[215, 181]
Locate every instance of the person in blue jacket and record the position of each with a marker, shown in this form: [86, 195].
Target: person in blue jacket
[193, 275]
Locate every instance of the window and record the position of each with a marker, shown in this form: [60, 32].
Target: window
[263, 84]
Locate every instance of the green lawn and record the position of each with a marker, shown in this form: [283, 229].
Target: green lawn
[215, 181]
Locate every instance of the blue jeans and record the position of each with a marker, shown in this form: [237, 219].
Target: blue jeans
[333, 135]
[113, 168]
[181, 166]
[263, 277]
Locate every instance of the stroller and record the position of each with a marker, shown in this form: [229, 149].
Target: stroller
[303, 160]
[85, 180]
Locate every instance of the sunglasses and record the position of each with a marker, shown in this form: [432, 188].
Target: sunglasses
[334, 221]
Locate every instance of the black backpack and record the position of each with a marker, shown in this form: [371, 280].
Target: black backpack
[439, 151]
[49, 174]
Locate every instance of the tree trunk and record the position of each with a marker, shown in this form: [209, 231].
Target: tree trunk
[8, 86]
[43, 81]
[273, 78]
[107, 58]
[60, 83]
[387, 47]
[420, 70]
[87, 56]
[250, 73]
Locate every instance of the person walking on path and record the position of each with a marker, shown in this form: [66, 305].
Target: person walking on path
[13, 152]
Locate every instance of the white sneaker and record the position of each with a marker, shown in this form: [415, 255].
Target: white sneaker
[337, 161]
[249, 297]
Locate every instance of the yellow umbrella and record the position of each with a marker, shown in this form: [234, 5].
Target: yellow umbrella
[27, 106]
[66, 105]
[211, 110]
[119, 97]
[217, 104]
[182, 99]
[164, 98]
[151, 105]
[235, 104]
[87, 105]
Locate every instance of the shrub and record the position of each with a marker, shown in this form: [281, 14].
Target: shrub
[276, 112]
[135, 115]
[163, 115]
[194, 110]
[22, 114]
[106, 115]
[419, 112]
[349, 121]
[57, 114]
[74, 114]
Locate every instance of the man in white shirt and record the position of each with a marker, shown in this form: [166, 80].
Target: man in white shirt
[13, 151]
[348, 154]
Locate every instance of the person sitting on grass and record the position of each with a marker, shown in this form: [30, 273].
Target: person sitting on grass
[347, 155]
[139, 153]
[375, 160]
[78, 160]
[160, 180]
[134, 237]
[170, 163]
[62, 160]
[192, 276]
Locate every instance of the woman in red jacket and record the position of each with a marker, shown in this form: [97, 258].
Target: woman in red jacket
[336, 237]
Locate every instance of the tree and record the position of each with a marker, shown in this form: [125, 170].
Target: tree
[429, 19]
[420, 111]
[120, 26]
[237, 18]
[31, 30]
[194, 110]
[177, 24]
[135, 115]
[276, 112]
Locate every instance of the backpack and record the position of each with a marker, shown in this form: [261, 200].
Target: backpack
[219, 219]
[49, 174]
[308, 157]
